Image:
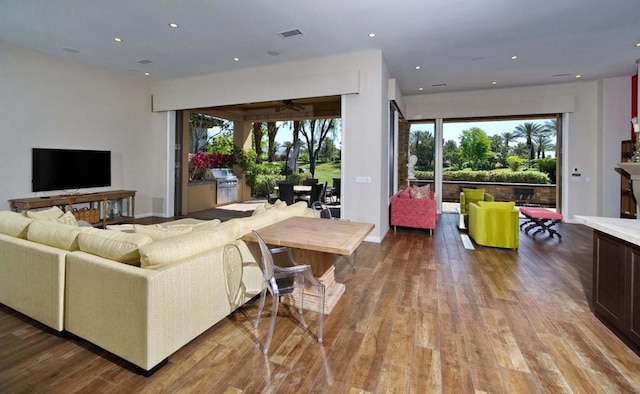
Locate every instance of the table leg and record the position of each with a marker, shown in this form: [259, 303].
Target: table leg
[323, 268]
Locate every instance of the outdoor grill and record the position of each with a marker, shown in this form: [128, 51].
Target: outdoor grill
[227, 185]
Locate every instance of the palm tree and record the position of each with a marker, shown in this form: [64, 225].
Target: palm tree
[508, 136]
[528, 131]
[542, 143]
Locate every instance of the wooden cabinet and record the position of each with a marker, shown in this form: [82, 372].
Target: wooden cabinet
[616, 286]
[627, 202]
[125, 199]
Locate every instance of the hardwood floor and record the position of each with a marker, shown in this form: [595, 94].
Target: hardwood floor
[420, 314]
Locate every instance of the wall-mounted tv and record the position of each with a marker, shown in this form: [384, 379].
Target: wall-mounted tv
[63, 169]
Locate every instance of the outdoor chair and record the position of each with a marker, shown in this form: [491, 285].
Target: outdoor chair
[316, 193]
[284, 280]
[336, 189]
[271, 197]
[285, 192]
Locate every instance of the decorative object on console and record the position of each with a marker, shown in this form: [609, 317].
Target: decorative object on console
[413, 160]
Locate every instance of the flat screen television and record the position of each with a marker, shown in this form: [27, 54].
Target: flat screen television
[63, 169]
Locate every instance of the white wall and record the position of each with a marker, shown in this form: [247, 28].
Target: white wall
[361, 78]
[49, 102]
[584, 103]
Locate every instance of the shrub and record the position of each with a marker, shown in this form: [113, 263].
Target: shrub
[489, 176]
[548, 166]
[515, 163]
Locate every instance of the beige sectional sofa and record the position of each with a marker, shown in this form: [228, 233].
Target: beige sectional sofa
[140, 295]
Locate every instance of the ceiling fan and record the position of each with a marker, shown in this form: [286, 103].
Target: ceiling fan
[289, 104]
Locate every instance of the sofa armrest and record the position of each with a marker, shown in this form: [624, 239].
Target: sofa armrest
[32, 279]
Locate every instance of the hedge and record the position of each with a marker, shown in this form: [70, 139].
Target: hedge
[489, 176]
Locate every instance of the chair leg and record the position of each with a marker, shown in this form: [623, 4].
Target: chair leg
[272, 325]
[263, 295]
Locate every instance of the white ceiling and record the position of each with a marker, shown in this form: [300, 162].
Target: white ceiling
[466, 44]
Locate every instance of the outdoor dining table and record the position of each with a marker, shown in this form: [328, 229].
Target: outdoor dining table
[300, 190]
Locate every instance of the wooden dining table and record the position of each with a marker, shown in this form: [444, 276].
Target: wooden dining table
[316, 242]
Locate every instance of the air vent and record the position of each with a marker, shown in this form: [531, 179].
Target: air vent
[290, 33]
[560, 75]
[439, 85]
[145, 61]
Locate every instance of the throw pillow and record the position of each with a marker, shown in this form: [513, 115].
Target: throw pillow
[46, 214]
[422, 192]
[506, 205]
[67, 218]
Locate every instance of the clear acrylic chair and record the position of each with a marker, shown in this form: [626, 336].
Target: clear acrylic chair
[280, 281]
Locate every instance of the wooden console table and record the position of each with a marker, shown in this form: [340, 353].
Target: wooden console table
[98, 200]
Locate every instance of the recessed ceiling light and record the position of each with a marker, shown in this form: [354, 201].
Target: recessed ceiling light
[173, 25]
[578, 76]
[236, 59]
[117, 39]
[418, 67]
[638, 44]
[494, 83]
[372, 35]
[420, 89]
[514, 57]
[147, 74]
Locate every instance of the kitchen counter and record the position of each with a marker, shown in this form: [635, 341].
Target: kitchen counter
[625, 229]
[616, 284]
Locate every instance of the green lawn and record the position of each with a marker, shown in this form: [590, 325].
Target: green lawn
[325, 172]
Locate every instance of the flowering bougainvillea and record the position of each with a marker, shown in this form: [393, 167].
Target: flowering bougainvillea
[210, 160]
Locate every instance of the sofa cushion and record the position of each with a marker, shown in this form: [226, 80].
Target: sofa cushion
[157, 232]
[266, 206]
[506, 205]
[14, 224]
[114, 245]
[204, 226]
[46, 214]
[406, 193]
[58, 235]
[181, 247]
[473, 194]
[258, 221]
[297, 209]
